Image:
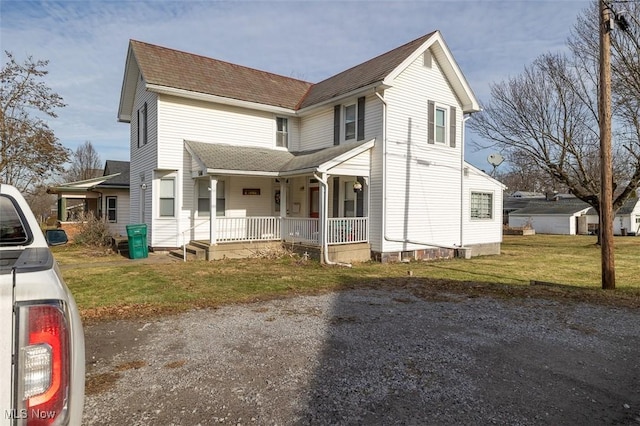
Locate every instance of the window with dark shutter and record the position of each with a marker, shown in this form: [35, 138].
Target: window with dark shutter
[336, 124]
[360, 131]
[452, 127]
[431, 118]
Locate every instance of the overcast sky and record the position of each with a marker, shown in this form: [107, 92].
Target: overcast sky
[86, 43]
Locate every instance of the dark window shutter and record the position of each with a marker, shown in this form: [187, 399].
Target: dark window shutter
[452, 127]
[360, 199]
[336, 125]
[360, 131]
[336, 196]
[432, 112]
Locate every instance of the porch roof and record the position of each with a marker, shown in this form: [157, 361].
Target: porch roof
[231, 159]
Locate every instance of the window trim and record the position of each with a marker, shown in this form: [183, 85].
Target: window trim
[143, 129]
[444, 126]
[160, 197]
[353, 122]
[199, 197]
[107, 209]
[478, 216]
[284, 133]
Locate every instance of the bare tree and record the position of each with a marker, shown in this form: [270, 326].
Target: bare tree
[29, 151]
[548, 115]
[41, 203]
[86, 163]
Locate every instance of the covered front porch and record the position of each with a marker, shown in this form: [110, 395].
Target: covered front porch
[317, 202]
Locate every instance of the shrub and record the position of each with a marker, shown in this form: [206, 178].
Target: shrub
[93, 231]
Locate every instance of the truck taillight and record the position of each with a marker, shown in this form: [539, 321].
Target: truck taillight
[43, 364]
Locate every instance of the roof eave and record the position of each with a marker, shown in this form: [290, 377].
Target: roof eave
[368, 88]
[172, 91]
[129, 82]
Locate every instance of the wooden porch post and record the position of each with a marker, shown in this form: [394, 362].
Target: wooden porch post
[62, 208]
[283, 198]
[324, 211]
[213, 183]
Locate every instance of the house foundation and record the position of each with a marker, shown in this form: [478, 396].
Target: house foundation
[437, 253]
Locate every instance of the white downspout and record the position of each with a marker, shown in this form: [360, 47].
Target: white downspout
[324, 213]
[384, 185]
[464, 120]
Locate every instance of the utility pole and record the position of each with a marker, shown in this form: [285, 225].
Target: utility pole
[606, 174]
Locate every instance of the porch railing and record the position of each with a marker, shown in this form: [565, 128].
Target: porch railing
[247, 228]
[300, 230]
[341, 230]
[347, 230]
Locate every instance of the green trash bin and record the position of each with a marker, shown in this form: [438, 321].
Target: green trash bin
[137, 236]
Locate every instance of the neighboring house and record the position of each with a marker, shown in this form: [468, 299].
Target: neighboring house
[106, 196]
[627, 220]
[568, 216]
[367, 163]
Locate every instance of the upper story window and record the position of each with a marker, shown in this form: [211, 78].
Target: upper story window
[282, 132]
[441, 124]
[348, 121]
[481, 205]
[142, 126]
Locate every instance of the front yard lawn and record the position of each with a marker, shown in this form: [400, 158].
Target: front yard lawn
[111, 288]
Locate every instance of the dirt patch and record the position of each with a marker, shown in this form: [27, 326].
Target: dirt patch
[372, 356]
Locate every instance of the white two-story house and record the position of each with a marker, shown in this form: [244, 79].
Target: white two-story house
[365, 164]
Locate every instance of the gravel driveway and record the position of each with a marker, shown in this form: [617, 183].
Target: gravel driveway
[369, 357]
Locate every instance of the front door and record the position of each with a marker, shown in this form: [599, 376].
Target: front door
[314, 201]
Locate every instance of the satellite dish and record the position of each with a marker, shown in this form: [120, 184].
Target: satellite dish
[495, 159]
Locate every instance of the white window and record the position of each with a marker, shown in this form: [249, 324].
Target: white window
[440, 124]
[112, 209]
[282, 132]
[350, 122]
[220, 199]
[142, 126]
[204, 195]
[481, 205]
[167, 197]
[349, 200]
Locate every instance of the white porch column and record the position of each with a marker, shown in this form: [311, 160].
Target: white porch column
[283, 198]
[213, 184]
[324, 210]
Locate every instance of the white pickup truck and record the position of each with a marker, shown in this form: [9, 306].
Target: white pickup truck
[41, 336]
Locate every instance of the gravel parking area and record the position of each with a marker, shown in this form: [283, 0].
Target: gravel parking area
[369, 357]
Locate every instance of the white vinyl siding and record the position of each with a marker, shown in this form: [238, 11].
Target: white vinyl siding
[143, 162]
[423, 180]
[481, 231]
[316, 130]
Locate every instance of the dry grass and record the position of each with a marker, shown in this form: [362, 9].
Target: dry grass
[115, 290]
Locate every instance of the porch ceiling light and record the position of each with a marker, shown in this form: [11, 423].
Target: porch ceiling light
[357, 186]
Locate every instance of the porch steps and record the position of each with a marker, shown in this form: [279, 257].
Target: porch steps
[194, 251]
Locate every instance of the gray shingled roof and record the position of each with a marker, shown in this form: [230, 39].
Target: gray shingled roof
[121, 179]
[238, 158]
[181, 70]
[563, 206]
[362, 75]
